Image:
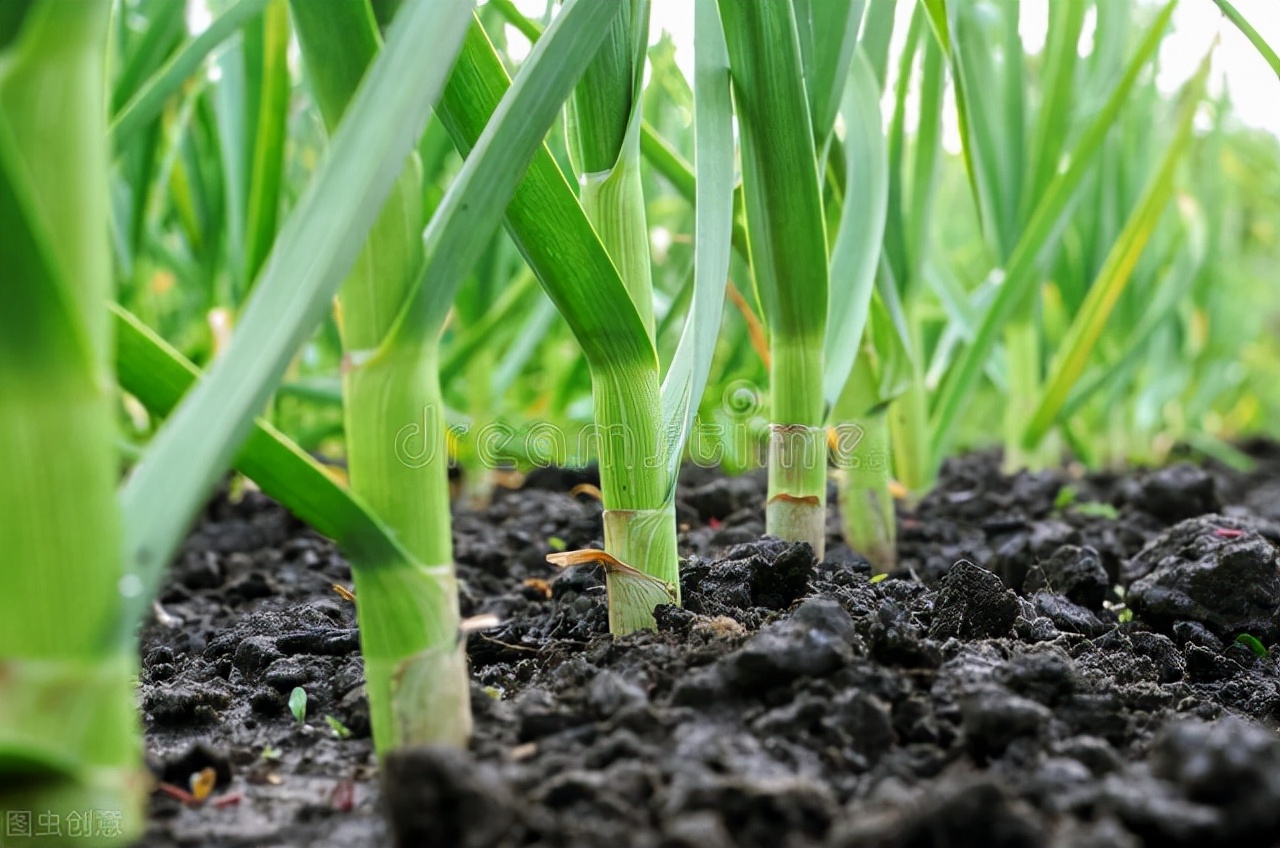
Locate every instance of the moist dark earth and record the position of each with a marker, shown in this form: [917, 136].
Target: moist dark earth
[1054, 663]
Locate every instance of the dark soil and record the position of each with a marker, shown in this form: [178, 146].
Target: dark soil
[996, 692]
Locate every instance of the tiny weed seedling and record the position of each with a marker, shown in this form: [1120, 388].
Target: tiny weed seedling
[1066, 497]
[339, 729]
[298, 704]
[1252, 643]
[1097, 509]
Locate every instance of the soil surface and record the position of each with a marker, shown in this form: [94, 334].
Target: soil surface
[1054, 664]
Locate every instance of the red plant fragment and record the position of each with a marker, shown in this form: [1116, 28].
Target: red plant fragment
[178, 792]
[227, 799]
[343, 797]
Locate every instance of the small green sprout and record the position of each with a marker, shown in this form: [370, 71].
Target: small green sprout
[1066, 497]
[879, 578]
[1253, 644]
[1097, 509]
[298, 704]
[340, 730]
[556, 543]
[271, 753]
[1126, 615]
[1069, 498]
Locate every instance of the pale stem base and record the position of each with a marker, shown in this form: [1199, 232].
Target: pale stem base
[866, 506]
[797, 507]
[645, 539]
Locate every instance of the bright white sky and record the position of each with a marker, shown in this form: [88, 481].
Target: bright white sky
[1254, 88]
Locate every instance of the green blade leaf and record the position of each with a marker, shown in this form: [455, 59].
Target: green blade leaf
[529, 29]
[42, 312]
[686, 377]
[1255, 38]
[667, 161]
[857, 246]
[547, 224]
[1098, 304]
[989, 103]
[779, 171]
[144, 53]
[313, 253]
[147, 104]
[657, 151]
[479, 196]
[606, 104]
[1053, 123]
[1021, 273]
[603, 127]
[268, 150]
[899, 219]
[924, 167]
[877, 33]
[938, 20]
[158, 376]
[828, 34]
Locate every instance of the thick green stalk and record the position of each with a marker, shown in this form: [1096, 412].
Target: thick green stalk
[640, 521]
[866, 506]
[398, 464]
[787, 239]
[393, 412]
[647, 536]
[797, 506]
[908, 423]
[909, 431]
[545, 221]
[69, 737]
[614, 203]
[604, 132]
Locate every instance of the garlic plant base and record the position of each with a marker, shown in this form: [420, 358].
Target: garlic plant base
[794, 519]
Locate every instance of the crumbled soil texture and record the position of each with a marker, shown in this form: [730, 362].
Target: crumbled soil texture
[1055, 663]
